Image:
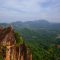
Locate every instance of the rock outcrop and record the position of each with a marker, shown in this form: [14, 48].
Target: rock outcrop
[8, 48]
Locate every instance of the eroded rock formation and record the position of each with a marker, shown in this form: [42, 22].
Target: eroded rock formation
[8, 48]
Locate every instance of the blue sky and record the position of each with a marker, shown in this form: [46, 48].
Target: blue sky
[29, 10]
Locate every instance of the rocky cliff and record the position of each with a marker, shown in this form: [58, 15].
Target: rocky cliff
[8, 48]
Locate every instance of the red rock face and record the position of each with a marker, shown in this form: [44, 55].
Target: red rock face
[13, 52]
[30, 56]
[58, 46]
[1, 29]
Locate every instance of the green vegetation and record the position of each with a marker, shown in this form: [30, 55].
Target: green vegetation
[43, 43]
[40, 36]
[19, 39]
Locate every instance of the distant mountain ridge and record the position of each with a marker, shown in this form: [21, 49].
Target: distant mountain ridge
[42, 37]
[34, 24]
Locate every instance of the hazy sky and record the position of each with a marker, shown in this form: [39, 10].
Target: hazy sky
[26, 10]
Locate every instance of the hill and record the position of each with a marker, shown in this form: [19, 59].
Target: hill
[42, 37]
[38, 24]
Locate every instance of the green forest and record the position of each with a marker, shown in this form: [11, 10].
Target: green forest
[42, 37]
[43, 43]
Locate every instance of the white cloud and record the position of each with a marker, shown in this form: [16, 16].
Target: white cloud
[30, 10]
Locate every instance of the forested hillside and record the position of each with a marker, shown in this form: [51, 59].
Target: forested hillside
[42, 37]
[44, 43]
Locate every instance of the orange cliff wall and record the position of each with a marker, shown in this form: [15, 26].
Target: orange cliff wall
[13, 52]
[1, 29]
[28, 54]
